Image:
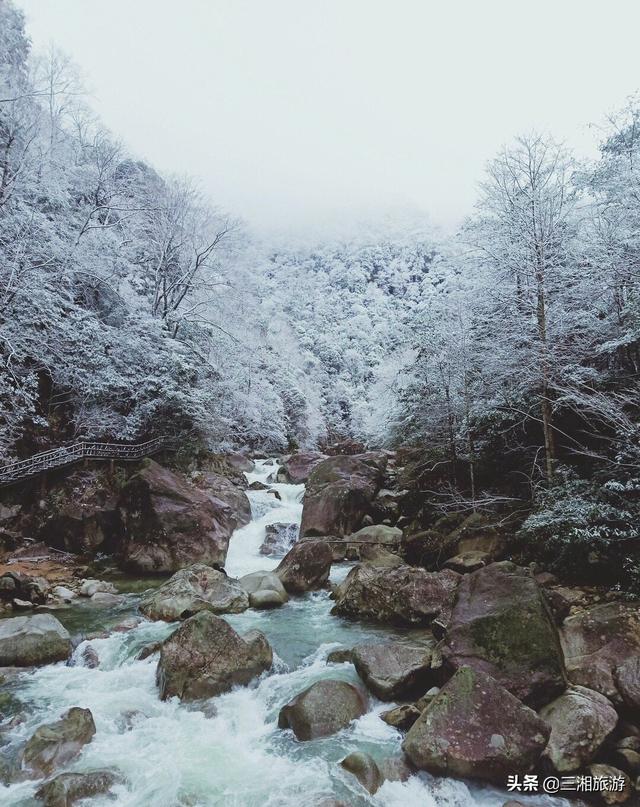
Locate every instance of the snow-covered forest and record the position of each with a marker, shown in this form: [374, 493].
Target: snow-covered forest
[133, 306]
[308, 496]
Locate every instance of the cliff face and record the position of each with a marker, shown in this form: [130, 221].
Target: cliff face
[148, 517]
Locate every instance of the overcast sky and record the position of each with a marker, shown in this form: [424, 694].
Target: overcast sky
[294, 111]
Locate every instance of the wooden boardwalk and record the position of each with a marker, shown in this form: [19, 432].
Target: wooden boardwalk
[68, 455]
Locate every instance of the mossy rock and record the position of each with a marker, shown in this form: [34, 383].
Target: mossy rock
[475, 728]
[501, 625]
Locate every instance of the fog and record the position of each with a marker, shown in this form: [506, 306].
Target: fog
[297, 113]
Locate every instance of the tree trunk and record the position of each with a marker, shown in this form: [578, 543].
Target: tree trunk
[472, 468]
[470, 443]
[547, 413]
[451, 434]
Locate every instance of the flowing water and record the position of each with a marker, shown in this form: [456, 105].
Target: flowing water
[228, 751]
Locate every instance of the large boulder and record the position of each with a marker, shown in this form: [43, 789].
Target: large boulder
[372, 774]
[10, 525]
[379, 556]
[501, 626]
[106, 599]
[403, 595]
[612, 793]
[370, 537]
[170, 523]
[580, 721]
[339, 494]
[279, 538]
[306, 566]
[377, 534]
[240, 462]
[265, 589]
[365, 769]
[323, 709]
[296, 468]
[82, 513]
[392, 670]
[197, 588]
[475, 728]
[597, 641]
[231, 466]
[16, 585]
[206, 657]
[56, 744]
[68, 788]
[225, 491]
[33, 640]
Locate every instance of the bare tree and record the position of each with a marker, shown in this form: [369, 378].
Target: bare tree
[184, 275]
[526, 207]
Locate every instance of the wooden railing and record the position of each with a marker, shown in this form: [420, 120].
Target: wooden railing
[67, 455]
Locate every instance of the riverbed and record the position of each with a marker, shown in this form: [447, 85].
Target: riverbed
[229, 750]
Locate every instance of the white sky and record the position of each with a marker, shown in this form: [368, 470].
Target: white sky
[294, 111]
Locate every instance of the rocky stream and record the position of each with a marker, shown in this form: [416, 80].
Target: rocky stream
[296, 695]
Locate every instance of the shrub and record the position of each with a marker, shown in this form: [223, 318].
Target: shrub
[587, 531]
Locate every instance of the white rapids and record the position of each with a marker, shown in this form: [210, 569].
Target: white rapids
[244, 555]
[229, 752]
